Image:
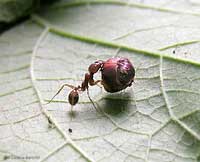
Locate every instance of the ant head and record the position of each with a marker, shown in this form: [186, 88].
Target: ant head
[93, 68]
[73, 97]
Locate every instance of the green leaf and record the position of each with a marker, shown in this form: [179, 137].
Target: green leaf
[157, 119]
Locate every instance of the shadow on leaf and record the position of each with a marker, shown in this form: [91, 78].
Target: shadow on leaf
[72, 114]
[116, 104]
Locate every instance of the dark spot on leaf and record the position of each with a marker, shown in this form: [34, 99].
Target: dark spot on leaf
[51, 125]
[70, 130]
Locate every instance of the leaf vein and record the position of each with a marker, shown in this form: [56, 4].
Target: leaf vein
[41, 101]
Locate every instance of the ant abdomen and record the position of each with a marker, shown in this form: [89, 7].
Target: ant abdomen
[117, 74]
[73, 97]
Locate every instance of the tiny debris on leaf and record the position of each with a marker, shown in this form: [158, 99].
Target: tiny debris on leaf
[70, 130]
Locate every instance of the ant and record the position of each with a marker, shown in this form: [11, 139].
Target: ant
[117, 74]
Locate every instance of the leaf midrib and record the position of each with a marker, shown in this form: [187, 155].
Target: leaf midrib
[56, 30]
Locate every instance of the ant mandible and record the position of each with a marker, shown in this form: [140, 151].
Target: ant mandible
[117, 74]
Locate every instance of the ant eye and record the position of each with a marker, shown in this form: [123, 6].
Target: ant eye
[73, 97]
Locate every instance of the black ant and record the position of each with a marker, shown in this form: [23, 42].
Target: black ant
[117, 74]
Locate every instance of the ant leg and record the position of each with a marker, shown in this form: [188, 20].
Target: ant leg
[92, 101]
[92, 82]
[64, 85]
[99, 84]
